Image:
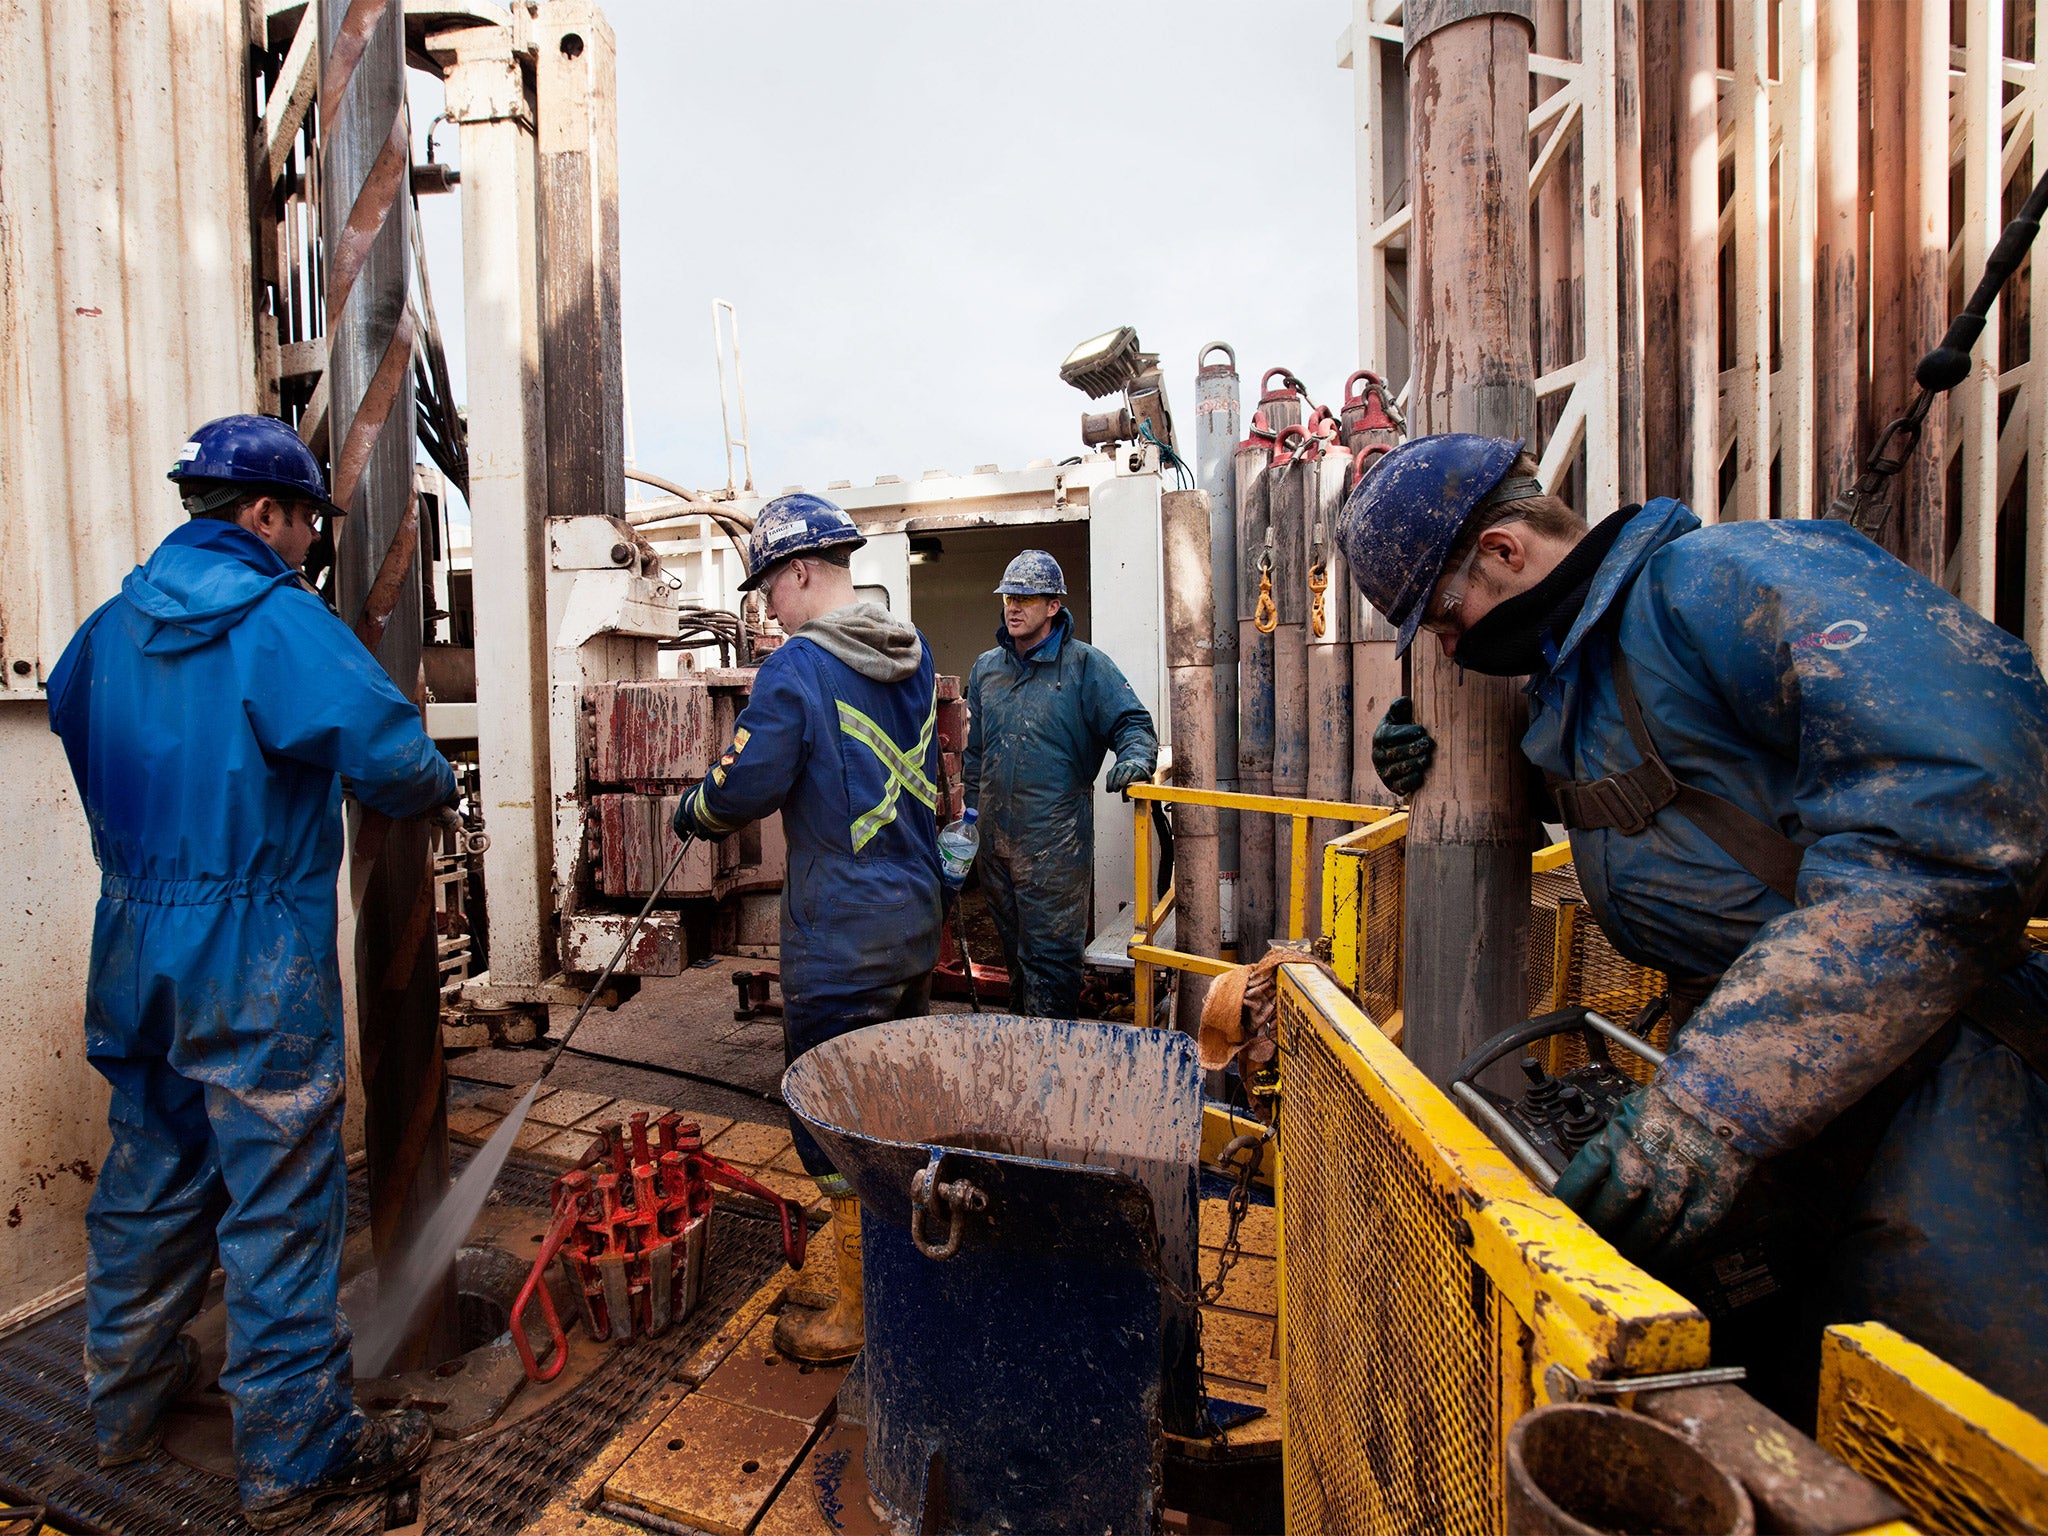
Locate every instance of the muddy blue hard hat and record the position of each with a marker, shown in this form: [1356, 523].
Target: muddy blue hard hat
[235, 455]
[792, 525]
[1033, 574]
[1400, 522]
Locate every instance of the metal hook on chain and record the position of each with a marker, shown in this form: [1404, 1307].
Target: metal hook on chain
[1266, 616]
[1318, 584]
[927, 1194]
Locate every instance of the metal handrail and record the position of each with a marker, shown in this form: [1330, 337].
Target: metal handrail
[1148, 917]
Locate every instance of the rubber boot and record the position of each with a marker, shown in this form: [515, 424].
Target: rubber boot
[820, 1337]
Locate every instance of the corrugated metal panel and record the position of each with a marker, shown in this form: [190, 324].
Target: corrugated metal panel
[125, 290]
[125, 319]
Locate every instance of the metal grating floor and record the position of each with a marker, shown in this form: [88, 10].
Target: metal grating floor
[490, 1487]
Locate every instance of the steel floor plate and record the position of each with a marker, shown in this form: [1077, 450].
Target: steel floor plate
[489, 1487]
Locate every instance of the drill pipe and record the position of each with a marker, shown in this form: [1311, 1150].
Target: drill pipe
[1329, 665]
[1216, 422]
[1293, 493]
[1254, 694]
[1198, 929]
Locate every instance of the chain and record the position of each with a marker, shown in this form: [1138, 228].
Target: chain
[1252, 1145]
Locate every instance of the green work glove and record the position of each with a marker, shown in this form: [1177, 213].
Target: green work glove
[1655, 1180]
[1401, 749]
[1123, 775]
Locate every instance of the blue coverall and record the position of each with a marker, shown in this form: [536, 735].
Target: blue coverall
[852, 763]
[1797, 670]
[1039, 725]
[210, 713]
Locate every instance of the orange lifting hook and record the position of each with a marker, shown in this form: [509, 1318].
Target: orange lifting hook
[1318, 584]
[1266, 616]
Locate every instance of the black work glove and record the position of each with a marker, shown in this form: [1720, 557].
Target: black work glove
[1401, 749]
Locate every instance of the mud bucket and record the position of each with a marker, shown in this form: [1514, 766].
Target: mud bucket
[1028, 1192]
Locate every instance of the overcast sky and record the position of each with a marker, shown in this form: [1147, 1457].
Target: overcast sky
[920, 208]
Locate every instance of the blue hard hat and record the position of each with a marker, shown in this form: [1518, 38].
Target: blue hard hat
[1033, 574]
[1400, 522]
[792, 525]
[260, 452]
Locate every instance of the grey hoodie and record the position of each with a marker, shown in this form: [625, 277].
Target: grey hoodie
[869, 639]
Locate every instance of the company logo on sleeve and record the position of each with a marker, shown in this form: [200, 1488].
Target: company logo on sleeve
[1841, 635]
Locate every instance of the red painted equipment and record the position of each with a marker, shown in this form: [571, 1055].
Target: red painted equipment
[631, 1243]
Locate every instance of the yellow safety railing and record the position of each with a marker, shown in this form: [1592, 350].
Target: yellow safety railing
[1150, 914]
[1957, 1455]
[1427, 1288]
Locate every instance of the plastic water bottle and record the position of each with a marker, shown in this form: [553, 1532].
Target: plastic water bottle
[958, 845]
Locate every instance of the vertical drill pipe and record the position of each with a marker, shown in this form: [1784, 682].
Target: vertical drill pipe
[1466, 937]
[1191, 685]
[1837, 312]
[1662, 89]
[365, 203]
[1697, 475]
[1909, 254]
[1293, 493]
[1369, 431]
[1254, 699]
[1216, 424]
[1329, 666]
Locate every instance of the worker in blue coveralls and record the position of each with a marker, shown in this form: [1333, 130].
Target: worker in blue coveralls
[212, 712]
[840, 734]
[1043, 709]
[1812, 787]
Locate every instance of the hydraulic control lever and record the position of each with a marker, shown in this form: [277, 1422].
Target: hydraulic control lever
[1544, 1128]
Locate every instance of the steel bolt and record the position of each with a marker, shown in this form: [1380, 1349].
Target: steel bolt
[622, 554]
[23, 667]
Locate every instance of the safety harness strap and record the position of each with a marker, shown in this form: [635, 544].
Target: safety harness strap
[903, 770]
[1626, 803]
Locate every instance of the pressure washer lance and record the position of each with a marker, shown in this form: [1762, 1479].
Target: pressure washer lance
[1865, 506]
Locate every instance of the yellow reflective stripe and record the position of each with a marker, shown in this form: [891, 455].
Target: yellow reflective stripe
[904, 770]
[905, 767]
[699, 812]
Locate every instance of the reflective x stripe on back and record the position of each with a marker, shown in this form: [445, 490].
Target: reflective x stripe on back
[904, 770]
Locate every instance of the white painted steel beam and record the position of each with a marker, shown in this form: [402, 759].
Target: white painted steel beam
[488, 94]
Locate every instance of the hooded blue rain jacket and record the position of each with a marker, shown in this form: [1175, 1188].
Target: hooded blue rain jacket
[841, 735]
[1902, 740]
[1039, 725]
[210, 712]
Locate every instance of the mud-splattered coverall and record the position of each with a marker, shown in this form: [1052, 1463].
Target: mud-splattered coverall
[211, 713]
[1797, 670]
[1039, 725]
[852, 763]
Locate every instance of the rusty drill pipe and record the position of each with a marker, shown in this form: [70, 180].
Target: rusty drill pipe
[1293, 494]
[1329, 666]
[1190, 651]
[1466, 932]
[1216, 425]
[1369, 431]
[365, 154]
[1254, 694]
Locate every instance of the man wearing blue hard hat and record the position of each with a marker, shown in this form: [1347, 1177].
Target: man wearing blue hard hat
[212, 712]
[840, 734]
[1043, 711]
[1812, 787]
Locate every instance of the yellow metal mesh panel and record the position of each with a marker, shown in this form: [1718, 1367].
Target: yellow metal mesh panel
[1959, 1457]
[1394, 1380]
[1381, 878]
[1595, 974]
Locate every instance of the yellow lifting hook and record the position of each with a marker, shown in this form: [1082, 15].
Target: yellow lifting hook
[1318, 584]
[1266, 616]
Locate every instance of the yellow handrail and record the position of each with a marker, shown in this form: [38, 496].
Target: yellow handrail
[1148, 916]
